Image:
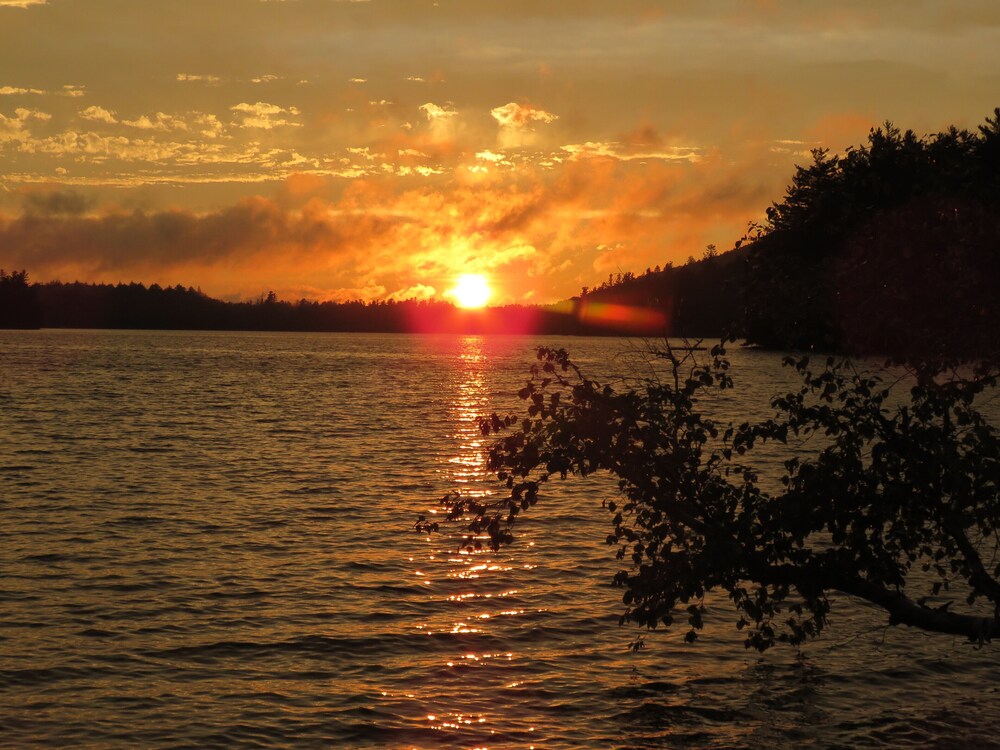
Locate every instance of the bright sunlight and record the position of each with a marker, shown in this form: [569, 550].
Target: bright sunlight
[471, 290]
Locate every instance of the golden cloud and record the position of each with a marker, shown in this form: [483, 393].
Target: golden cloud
[15, 128]
[264, 116]
[98, 114]
[160, 121]
[198, 78]
[417, 291]
[513, 115]
[16, 90]
[516, 120]
[434, 112]
[622, 152]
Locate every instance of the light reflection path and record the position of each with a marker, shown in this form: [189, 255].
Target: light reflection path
[472, 591]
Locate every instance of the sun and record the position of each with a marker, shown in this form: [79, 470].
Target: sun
[471, 290]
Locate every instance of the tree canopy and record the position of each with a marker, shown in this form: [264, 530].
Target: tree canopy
[19, 306]
[891, 247]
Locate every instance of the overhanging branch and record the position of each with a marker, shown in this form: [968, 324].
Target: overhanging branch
[904, 611]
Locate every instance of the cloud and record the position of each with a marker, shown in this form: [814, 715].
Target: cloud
[194, 78]
[357, 80]
[366, 292]
[15, 90]
[532, 230]
[417, 291]
[208, 145]
[266, 78]
[237, 250]
[444, 126]
[33, 114]
[494, 158]
[98, 114]
[434, 112]
[15, 128]
[516, 120]
[211, 126]
[20, 3]
[127, 241]
[490, 156]
[70, 90]
[364, 152]
[513, 115]
[621, 152]
[55, 203]
[97, 148]
[264, 116]
[793, 146]
[160, 121]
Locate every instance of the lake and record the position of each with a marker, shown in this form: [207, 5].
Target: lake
[207, 540]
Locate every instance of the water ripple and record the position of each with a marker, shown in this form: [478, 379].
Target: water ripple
[206, 541]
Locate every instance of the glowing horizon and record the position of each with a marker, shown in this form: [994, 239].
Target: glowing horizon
[375, 150]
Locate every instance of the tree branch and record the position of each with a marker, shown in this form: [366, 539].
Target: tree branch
[978, 577]
[904, 611]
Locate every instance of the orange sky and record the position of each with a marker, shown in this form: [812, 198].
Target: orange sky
[379, 149]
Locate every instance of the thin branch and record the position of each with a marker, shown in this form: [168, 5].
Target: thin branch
[978, 577]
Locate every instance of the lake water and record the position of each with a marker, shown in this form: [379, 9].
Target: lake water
[206, 540]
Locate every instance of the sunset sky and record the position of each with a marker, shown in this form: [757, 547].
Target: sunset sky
[382, 148]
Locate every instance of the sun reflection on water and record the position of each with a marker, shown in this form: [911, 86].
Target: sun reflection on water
[471, 587]
[471, 400]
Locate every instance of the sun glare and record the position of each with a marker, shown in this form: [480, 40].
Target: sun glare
[471, 290]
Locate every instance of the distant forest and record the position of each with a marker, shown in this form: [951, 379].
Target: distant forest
[891, 248]
[136, 306]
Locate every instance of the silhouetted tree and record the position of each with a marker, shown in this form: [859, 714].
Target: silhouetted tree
[894, 505]
[889, 248]
[19, 306]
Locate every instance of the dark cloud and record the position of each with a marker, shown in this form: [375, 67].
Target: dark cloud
[253, 228]
[56, 203]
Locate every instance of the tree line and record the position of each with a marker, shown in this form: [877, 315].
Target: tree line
[892, 247]
[135, 306]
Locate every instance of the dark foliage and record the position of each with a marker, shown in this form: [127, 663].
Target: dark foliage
[700, 299]
[898, 505]
[892, 249]
[19, 307]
